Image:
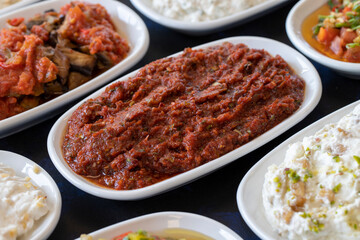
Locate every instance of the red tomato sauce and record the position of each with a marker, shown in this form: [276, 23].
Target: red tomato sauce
[179, 113]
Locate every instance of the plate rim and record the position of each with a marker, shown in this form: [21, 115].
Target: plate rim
[21, 121]
[313, 128]
[54, 214]
[191, 175]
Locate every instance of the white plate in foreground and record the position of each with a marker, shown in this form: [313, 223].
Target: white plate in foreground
[15, 6]
[299, 63]
[24, 167]
[294, 22]
[249, 194]
[199, 28]
[157, 222]
[129, 25]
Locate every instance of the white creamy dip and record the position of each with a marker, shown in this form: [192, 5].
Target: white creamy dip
[315, 192]
[6, 3]
[21, 204]
[201, 10]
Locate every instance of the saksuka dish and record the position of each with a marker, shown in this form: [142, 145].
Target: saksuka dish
[315, 192]
[339, 31]
[55, 52]
[178, 113]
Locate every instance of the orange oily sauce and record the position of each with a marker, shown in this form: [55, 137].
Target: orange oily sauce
[307, 32]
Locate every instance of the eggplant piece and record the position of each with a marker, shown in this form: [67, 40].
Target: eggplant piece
[80, 62]
[53, 88]
[62, 63]
[105, 59]
[76, 79]
[37, 20]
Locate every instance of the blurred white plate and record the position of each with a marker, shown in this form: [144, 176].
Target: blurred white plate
[199, 28]
[24, 167]
[15, 6]
[312, 95]
[129, 25]
[158, 222]
[294, 22]
[249, 194]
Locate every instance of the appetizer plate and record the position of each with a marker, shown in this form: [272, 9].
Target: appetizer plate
[199, 28]
[312, 95]
[294, 22]
[24, 167]
[15, 6]
[158, 222]
[129, 25]
[249, 193]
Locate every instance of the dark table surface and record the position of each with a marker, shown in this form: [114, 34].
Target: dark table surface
[214, 195]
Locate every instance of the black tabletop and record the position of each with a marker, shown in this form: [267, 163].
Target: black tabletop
[214, 195]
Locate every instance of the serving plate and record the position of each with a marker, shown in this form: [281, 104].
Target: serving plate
[158, 222]
[249, 193]
[24, 167]
[312, 95]
[130, 26]
[294, 22]
[16, 6]
[200, 28]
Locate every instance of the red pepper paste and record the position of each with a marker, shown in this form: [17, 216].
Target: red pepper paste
[179, 113]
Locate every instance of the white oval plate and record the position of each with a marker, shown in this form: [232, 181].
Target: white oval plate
[157, 222]
[16, 6]
[199, 28]
[130, 26]
[299, 63]
[24, 167]
[249, 193]
[294, 21]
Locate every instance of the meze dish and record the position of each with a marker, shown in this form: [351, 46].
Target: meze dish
[334, 30]
[31, 201]
[59, 56]
[173, 223]
[55, 52]
[310, 183]
[179, 116]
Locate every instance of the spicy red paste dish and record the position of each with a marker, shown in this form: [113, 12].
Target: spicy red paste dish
[178, 113]
[55, 52]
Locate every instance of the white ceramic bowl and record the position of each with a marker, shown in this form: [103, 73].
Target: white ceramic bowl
[158, 222]
[294, 21]
[312, 95]
[249, 194]
[200, 28]
[16, 6]
[130, 26]
[24, 167]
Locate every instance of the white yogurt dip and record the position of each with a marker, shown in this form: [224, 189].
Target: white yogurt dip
[201, 10]
[315, 192]
[21, 204]
[6, 3]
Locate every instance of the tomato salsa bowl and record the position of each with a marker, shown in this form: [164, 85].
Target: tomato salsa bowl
[299, 64]
[294, 25]
[127, 24]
